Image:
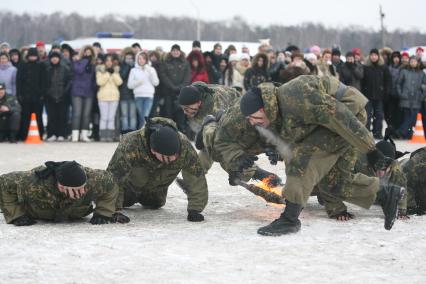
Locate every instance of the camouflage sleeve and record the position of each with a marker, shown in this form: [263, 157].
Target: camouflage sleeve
[10, 197]
[120, 166]
[231, 134]
[334, 115]
[106, 191]
[193, 175]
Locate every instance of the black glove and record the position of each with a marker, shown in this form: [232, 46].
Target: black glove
[232, 177]
[378, 161]
[110, 70]
[100, 220]
[23, 220]
[246, 161]
[273, 156]
[273, 179]
[195, 216]
[119, 217]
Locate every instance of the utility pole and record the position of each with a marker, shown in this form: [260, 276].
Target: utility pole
[197, 10]
[382, 27]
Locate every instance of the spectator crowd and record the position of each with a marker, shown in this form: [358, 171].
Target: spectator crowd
[90, 95]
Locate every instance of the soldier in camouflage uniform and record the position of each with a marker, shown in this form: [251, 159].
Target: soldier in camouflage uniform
[322, 122]
[231, 141]
[411, 171]
[10, 115]
[414, 170]
[147, 161]
[199, 100]
[59, 191]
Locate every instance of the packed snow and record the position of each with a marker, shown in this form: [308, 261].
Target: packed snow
[160, 246]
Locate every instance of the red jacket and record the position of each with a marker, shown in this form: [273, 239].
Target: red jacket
[202, 76]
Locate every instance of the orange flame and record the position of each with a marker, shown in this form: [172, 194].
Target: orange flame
[266, 185]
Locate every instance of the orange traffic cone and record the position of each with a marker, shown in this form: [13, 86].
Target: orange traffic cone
[418, 136]
[33, 136]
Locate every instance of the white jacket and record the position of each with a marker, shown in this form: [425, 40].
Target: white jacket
[143, 80]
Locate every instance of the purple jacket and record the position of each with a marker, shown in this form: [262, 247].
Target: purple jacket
[8, 77]
[83, 82]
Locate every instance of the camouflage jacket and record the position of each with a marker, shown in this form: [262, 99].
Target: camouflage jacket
[415, 169]
[25, 193]
[10, 102]
[213, 99]
[135, 168]
[309, 102]
[234, 137]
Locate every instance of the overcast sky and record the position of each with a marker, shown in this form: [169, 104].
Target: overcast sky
[406, 14]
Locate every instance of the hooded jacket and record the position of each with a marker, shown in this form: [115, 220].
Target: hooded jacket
[256, 75]
[199, 74]
[84, 81]
[8, 77]
[142, 80]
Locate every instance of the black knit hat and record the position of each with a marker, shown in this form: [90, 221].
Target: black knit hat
[189, 95]
[175, 46]
[335, 52]
[386, 148]
[71, 174]
[165, 140]
[54, 54]
[2, 86]
[374, 50]
[251, 101]
[32, 52]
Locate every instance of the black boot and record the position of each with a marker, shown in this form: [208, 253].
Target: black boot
[287, 223]
[389, 197]
[12, 137]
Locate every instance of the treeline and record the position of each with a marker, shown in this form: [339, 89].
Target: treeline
[22, 29]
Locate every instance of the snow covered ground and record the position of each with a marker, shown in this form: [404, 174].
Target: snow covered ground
[162, 247]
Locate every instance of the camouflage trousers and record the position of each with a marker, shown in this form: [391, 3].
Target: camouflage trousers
[329, 166]
[151, 199]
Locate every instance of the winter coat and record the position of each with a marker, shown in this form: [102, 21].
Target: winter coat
[8, 77]
[108, 83]
[142, 80]
[255, 75]
[31, 82]
[213, 73]
[411, 86]
[351, 74]
[84, 81]
[58, 82]
[394, 72]
[377, 82]
[200, 74]
[174, 74]
[237, 78]
[125, 92]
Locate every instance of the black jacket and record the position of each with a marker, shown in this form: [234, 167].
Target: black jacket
[377, 81]
[174, 74]
[31, 82]
[351, 74]
[58, 83]
[125, 92]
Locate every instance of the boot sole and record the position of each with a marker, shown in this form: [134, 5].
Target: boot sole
[401, 193]
[276, 234]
